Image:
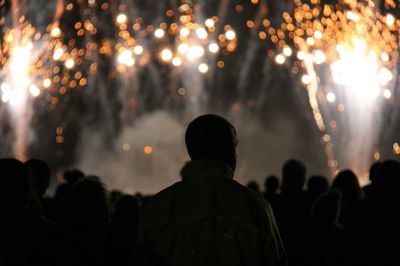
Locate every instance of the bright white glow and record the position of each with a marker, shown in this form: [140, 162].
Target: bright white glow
[319, 57]
[385, 57]
[352, 16]
[177, 61]
[125, 58]
[203, 68]
[183, 48]
[310, 41]
[318, 35]
[301, 55]
[330, 97]
[34, 90]
[184, 32]
[70, 63]
[213, 47]
[58, 53]
[195, 52]
[387, 94]
[390, 20]
[385, 76]
[46, 83]
[5, 92]
[209, 23]
[166, 54]
[280, 59]
[287, 51]
[55, 32]
[306, 79]
[121, 18]
[230, 35]
[159, 33]
[358, 72]
[202, 33]
[138, 49]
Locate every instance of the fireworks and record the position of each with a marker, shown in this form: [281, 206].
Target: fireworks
[352, 41]
[194, 42]
[345, 54]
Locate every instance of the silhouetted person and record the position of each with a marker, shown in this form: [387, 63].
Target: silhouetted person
[370, 190]
[254, 186]
[123, 230]
[208, 218]
[323, 242]
[271, 186]
[316, 185]
[87, 220]
[353, 214]
[55, 208]
[40, 174]
[383, 221]
[292, 210]
[26, 239]
[347, 183]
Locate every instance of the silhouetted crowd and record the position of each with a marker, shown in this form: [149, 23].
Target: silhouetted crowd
[84, 224]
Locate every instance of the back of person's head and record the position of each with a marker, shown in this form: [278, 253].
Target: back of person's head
[389, 178]
[73, 176]
[127, 209]
[87, 203]
[14, 186]
[293, 175]
[254, 186]
[212, 137]
[271, 184]
[317, 184]
[327, 206]
[373, 172]
[40, 173]
[347, 182]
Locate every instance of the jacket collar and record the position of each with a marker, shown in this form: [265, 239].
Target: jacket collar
[202, 168]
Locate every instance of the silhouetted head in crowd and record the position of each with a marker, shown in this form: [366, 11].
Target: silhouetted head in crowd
[254, 186]
[347, 183]
[293, 176]
[373, 172]
[389, 178]
[73, 176]
[316, 185]
[14, 186]
[212, 137]
[87, 203]
[127, 209]
[271, 184]
[39, 173]
[327, 207]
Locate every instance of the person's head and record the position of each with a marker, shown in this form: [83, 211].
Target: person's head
[14, 186]
[347, 182]
[254, 186]
[293, 175]
[389, 178]
[373, 172]
[316, 185]
[271, 184]
[40, 173]
[212, 137]
[327, 206]
[73, 176]
[87, 203]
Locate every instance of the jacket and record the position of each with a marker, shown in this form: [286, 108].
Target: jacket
[210, 219]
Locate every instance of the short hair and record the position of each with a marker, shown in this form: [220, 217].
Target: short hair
[40, 174]
[15, 185]
[211, 137]
[293, 175]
